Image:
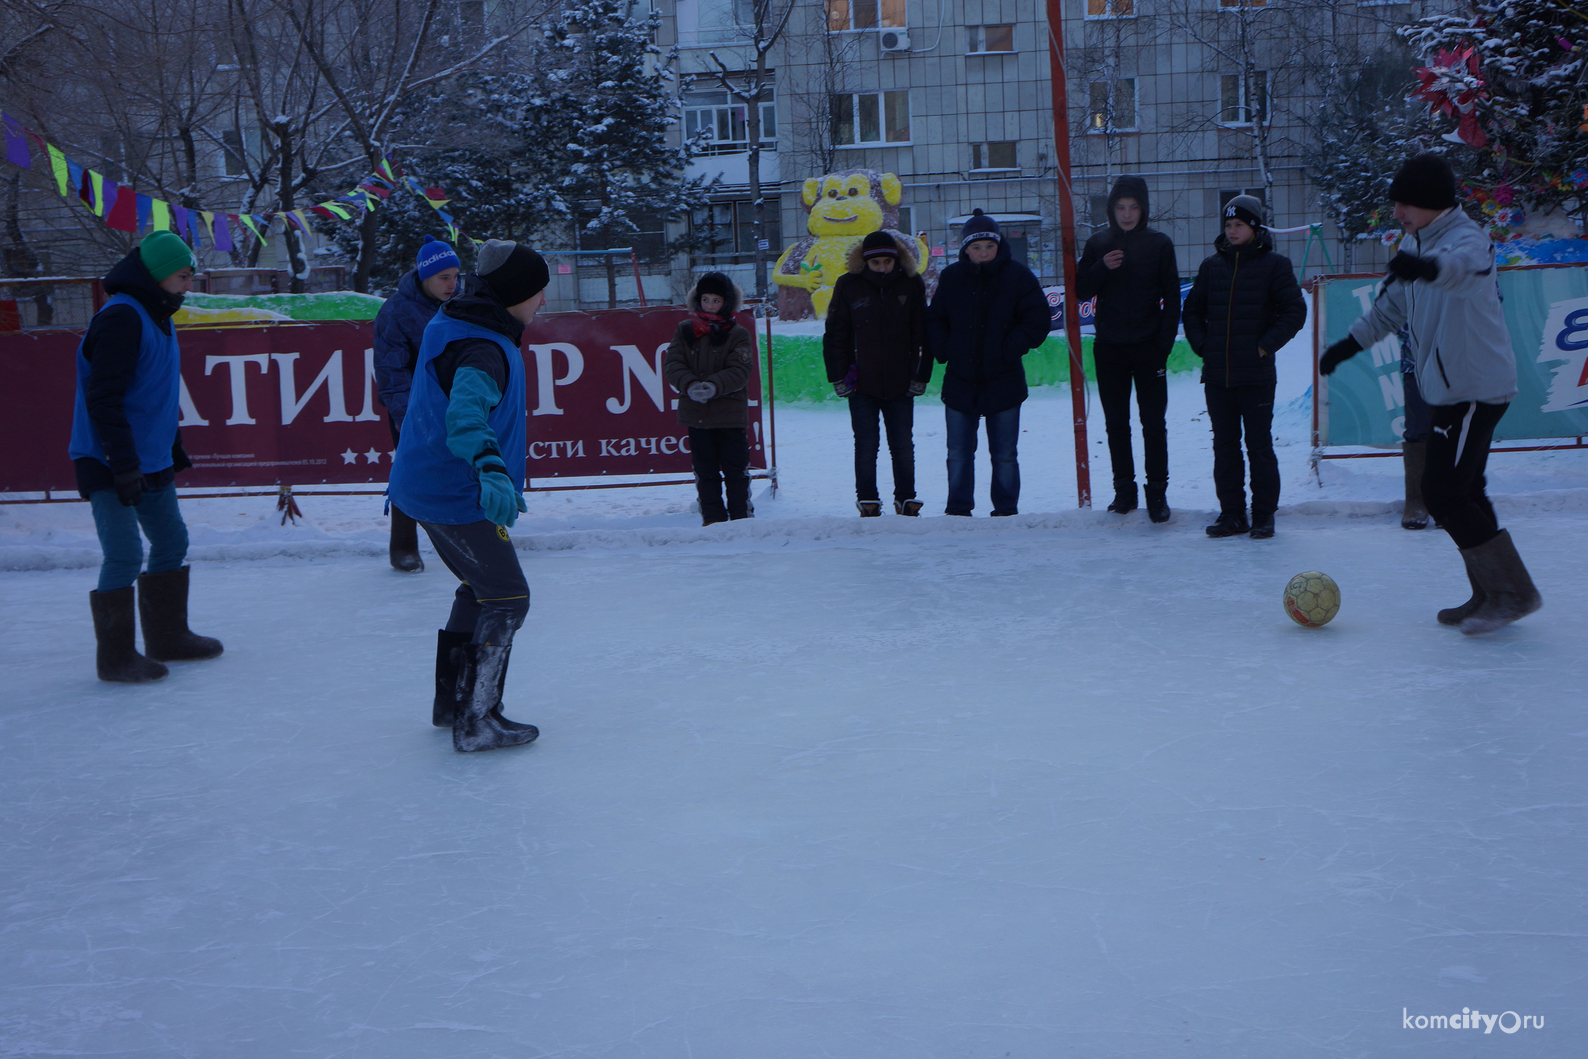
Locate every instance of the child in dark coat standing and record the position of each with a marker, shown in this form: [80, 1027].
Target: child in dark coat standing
[874, 349]
[1244, 305]
[709, 363]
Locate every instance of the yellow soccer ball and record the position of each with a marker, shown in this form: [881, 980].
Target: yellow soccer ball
[1312, 599]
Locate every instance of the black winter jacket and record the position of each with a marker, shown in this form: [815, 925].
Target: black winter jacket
[982, 321]
[877, 324]
[1245, 299]
[1138, 302]
[112, 346]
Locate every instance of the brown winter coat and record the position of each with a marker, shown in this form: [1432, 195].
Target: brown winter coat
[727, 361]
[876, 324]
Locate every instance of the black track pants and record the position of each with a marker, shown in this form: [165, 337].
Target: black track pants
[1118, 367]
[1248, 410]
[1459, 436]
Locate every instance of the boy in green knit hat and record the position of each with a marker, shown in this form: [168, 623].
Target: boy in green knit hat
[127, 449]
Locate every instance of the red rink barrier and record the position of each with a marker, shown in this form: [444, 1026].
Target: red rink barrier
[296, 404]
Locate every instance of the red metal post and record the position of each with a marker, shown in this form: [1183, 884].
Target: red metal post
[634, 259]
[771, 408]
[1072, 306]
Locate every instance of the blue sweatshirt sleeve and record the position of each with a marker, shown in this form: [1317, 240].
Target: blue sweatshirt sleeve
[469, 434]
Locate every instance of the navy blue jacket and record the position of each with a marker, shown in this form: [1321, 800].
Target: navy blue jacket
[399, 328]
[982, 321]
[1245, 300]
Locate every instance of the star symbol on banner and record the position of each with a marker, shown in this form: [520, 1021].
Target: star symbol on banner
[373, 455]
[349, 456]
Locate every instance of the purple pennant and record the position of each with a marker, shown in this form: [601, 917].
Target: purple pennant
[223, 234]
[179, 219]
[16, 143]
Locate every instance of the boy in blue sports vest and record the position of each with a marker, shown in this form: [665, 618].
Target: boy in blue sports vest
[127, 450]
[459, 471]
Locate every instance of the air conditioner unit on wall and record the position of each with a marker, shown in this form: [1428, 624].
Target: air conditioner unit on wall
[894, 40]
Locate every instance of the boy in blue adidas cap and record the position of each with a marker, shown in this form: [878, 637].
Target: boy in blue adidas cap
[399, 327]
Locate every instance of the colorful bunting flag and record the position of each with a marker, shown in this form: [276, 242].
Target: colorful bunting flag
[223, 233]
[123, 213]
[61, 168]
[161, 216]
[179, 219]
[145, 211]
[16, 143]
[252, 223]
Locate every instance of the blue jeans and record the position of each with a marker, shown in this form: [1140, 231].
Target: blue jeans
[118, 527]
[1003, 437]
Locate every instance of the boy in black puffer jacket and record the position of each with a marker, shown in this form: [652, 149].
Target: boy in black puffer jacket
[1244, 305]
[873, 348]
[709, 363]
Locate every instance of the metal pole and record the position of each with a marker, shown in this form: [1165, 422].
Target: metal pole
[1072, 306]
[634, 259]
[771, 408]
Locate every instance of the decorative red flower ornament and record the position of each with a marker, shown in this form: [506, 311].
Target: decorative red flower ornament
[1453, 86]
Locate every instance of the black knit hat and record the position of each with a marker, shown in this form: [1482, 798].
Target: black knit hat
[979, 226]
[714, 283]
[1425, 180]
[1245, 208]
[513, 271]
[879, 244]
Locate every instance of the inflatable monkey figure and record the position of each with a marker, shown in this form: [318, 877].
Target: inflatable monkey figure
[844, 208]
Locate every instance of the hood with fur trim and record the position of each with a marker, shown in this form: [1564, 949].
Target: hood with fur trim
[730, 307]
[909, 263]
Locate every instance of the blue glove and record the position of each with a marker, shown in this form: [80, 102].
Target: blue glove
[498, 499]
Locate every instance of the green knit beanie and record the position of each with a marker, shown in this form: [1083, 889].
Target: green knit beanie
[164, 253]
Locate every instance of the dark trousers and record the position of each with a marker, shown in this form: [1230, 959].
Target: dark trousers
[1232, 411]
[1417, 410]
[160, 519]
[1459, 437]
[898, 418]
[721, 455]
[1003, 437]
[1118, 367]
[493, 598]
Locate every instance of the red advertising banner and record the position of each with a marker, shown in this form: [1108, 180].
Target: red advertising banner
[296, 404]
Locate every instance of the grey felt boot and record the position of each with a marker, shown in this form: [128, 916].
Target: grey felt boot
[162, 604]
[117, 657]
[1508, 589]
[1457, 615]
[1414, 515]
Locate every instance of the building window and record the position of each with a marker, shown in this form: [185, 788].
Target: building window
[726, 233]
[863, 14]
[724, 122]
[1240, 100]
[1112, 110]
[990, 39]
[235, 162]
[1112, 8]
[999, 154]
[871, 117]
[1099, 210]
[1243, 3]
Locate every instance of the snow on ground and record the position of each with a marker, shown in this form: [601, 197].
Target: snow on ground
[1065, 784]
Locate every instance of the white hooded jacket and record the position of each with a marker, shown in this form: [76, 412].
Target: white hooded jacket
[1456, 325]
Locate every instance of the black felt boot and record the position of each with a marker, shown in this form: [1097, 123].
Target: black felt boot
[1457, 615]
[449, 664]
[1157, 503]
[162, 604]
[117, 657]
[1124, 498]
[404, 550]
[1507, 587]
[477, 723]
[1414, 514]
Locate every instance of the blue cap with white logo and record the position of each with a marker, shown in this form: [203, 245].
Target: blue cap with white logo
[435, 256]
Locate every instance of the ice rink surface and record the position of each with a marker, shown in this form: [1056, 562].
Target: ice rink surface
[1048, 786]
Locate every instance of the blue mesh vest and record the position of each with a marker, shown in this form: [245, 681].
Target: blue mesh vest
[152, 402]
[428, 482]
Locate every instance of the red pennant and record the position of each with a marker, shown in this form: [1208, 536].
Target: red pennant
[123, 215]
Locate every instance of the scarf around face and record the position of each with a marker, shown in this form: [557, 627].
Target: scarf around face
[716, 324]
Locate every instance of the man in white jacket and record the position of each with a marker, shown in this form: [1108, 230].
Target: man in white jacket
[1442, 288]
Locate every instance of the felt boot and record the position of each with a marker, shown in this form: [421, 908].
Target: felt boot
[162, 604]
[404, 548]
[1457, 615]
[449, 664]
[477, 723]
[1157, 503]
[1507, 588]
[1414, 454]
[1124, 498]
[117, 657]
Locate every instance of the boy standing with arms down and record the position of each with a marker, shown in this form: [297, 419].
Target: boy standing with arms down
[1243, 307]
[1442, 289]
[1130, 269]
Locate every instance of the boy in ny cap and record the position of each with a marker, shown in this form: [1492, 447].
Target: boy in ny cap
[399, 328]
[1442, 288]
[1244, 305]
[127, 450]
[459, 471]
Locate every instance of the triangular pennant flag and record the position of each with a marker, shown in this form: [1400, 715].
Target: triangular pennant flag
[193, 224]
[252, 223]
[123, 213]
[385, 170]
[179, 219]
[79, 175]
[223, 233]
[321, 211]
[145, 211]
[160, 215]
[338, 211]
[16, 143]
[61, 168]
[105, 190]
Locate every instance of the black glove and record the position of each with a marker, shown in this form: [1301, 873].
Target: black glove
[842, 388]
[917, 387]
[179, 457]
[1338, 354]
[1407, 267]
[129, 488]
